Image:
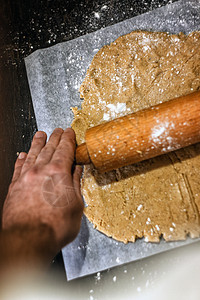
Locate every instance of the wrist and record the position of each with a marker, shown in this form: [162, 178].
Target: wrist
[27, 246]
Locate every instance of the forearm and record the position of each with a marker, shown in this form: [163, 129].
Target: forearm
[27, 247]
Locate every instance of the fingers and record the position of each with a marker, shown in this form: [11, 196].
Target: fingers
[38, 143]
[64, 154]
[47, 152]
[77, 180]
[18, 165]
[60, 150]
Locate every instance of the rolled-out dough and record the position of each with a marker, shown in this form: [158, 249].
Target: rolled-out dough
[160, 196]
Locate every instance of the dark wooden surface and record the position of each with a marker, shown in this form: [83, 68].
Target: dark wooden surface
[27, 25]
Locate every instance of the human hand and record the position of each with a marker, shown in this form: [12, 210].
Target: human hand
[45, 189]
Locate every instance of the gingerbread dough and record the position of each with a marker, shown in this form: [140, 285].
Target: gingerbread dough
[161, 196]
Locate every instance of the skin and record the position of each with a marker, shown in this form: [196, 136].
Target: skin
[43, 209]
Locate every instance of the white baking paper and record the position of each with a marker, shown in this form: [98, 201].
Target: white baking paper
[54, 76]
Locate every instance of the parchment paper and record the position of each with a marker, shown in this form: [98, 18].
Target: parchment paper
[54, 76]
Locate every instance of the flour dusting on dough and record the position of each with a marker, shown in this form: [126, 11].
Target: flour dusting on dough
[161, 196]
[115, 110]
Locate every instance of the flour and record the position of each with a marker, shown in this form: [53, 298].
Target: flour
[161, 135]
[148, 221]
[115, 110]
[139, 207]
[97, 15]
[144, 199]
[157, 227]
[158, 130]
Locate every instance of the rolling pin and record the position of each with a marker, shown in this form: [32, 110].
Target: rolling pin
[142, 135]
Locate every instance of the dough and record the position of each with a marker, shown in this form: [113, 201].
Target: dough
[161, 196]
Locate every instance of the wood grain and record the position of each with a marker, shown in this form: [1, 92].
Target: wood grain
[148, 133]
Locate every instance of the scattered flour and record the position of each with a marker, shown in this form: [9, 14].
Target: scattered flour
[115, 110]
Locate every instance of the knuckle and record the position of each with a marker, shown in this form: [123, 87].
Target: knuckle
[37, 141]
[61, 152]
[56, 166]
[31, 175]
[30, 159]
[19, 163]
[50, 148]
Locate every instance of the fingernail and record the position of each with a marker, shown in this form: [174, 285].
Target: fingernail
[58, 129]
[69, 129]
[22, 155]
[39, 134]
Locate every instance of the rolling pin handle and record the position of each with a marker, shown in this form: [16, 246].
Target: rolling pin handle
[82, 156]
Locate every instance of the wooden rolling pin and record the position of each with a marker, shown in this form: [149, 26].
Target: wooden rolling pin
[142, 135]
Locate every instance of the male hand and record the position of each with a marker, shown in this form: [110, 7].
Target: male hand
[45, 189]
